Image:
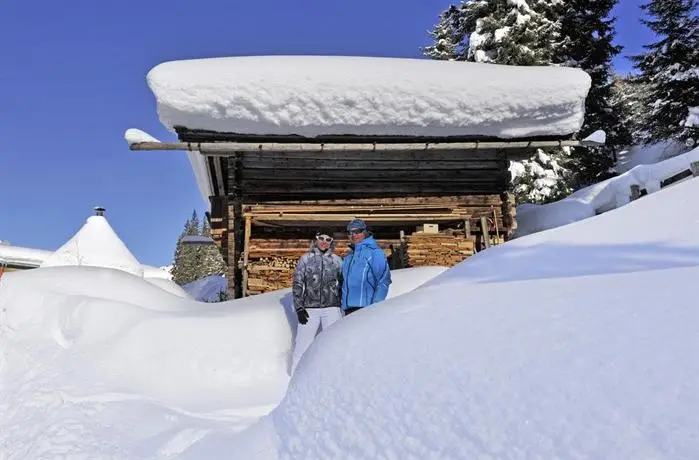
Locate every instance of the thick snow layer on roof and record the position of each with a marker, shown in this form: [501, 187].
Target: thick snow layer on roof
[97, 245]
[325, 95]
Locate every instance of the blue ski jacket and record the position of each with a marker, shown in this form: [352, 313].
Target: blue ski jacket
[365, 275]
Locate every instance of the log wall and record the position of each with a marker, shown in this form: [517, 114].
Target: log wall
[265, 189]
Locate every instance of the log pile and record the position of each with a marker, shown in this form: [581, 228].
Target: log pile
[272, 262]
[437, 249]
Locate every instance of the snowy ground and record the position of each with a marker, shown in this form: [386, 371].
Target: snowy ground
[576, 342]
[100, 363]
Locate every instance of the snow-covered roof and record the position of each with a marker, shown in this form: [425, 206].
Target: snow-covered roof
[25, 257]
[334, 95]
[96, 244]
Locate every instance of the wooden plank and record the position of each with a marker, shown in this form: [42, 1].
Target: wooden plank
[246, 250]
[218, 174]
[266, 188]
[485, 231]
[408, 201]
[348, 165]
[337, 175]
[348, 217]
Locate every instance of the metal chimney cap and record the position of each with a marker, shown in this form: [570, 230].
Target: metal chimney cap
[99, 210]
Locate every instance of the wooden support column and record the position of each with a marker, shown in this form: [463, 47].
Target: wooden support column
[485, 231]
[230, 253]
[246, 251]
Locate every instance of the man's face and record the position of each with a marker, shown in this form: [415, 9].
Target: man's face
[356, 235]
[323, 242]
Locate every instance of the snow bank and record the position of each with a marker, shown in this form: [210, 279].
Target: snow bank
[319, 95]
[136, 136]
[557, 345]
[98, 363]
[169, 286]
[602, 197]
[647, 154]
[97, 245]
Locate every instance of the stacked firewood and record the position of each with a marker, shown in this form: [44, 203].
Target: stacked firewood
[270, 274]
[271, 262]
[437, 249]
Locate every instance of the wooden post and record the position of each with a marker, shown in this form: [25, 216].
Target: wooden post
[495, 221]
[635, 192]
[694, 167]
[246, 250]
[467, 228]
[485, 232]
[230, 249]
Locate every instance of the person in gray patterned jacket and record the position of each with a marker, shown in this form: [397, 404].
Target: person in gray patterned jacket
[316, 291]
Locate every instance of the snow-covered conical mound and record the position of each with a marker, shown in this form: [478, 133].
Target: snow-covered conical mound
[96, 245]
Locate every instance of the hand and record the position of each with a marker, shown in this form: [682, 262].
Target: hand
[302, 315]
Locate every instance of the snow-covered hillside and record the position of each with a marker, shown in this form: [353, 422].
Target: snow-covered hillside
[604, 196]
[576, 342]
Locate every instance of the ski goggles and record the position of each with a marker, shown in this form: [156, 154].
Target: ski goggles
[356, 231]
[324, 238]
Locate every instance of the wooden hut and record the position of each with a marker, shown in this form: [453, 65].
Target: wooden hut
[428, 199]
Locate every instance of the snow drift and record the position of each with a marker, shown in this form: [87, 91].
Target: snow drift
[319, 95]
[577, 343]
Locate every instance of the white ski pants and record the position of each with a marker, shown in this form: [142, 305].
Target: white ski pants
[306, 333]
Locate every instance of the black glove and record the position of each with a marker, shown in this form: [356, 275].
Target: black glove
[302, 315]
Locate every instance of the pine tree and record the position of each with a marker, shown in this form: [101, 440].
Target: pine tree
[670, 69]
[212, 262]
[183, 265]
[627, 96]
[497, 31]
[589, 46]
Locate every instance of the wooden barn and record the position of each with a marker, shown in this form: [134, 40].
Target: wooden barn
[428, 199]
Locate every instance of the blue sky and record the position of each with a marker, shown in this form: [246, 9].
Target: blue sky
[72, 80]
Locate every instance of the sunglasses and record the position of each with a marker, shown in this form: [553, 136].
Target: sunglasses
[356, 231]
[324, 238]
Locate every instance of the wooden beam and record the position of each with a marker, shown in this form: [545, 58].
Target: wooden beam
[246, 251]
[220, 184]
[231, 148]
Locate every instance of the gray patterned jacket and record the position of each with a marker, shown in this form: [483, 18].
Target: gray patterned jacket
[318, 279]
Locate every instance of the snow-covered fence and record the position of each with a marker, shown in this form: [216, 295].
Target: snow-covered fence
[692, 171]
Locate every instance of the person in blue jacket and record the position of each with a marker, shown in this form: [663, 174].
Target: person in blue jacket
[365, 272]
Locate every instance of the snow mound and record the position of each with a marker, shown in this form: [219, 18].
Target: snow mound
[557, 345]
[325, 95]
[98, 363]
[169, 286]
[207, 289]
[601, 197]
[96, 245]
[647, 154]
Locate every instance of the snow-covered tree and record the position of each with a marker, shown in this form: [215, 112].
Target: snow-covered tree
[589, 45]
[514, 32]
[577, 33]
[627, 97]
[212, 262]
[193, 262]
[670, 69]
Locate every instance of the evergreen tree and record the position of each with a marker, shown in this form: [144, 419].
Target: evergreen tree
[627, 95]
[670, 69]
[589, 46]
[497, 31]
[184, 264]
[212, 262]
